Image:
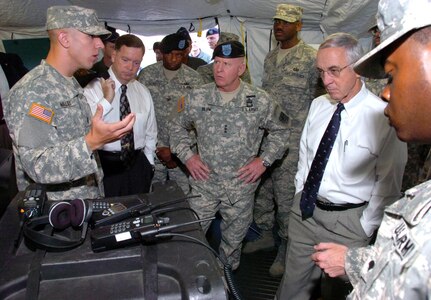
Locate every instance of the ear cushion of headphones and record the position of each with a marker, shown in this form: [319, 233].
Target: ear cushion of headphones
[78, 212]
[59, 215]
[65, 214]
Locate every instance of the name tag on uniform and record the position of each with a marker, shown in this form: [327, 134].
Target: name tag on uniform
[404, 244]
[66, 103]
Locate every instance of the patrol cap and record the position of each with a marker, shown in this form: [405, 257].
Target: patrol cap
[184, 33]
[288, 12]
[212, 31]
[80, 18]
[173, 42]
[395, 18]
[231, 49]
[227, 37]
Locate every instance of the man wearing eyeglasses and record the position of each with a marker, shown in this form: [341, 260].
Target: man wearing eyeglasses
[362, 169]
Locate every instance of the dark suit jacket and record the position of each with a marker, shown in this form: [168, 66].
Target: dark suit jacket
[13, 67]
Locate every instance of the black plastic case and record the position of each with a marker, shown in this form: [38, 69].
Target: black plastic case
[184, 270]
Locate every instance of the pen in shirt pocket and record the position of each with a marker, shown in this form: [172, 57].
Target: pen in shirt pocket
[346, 143]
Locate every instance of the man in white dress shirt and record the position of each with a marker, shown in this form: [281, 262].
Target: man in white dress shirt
[362, 175]
[132, 176]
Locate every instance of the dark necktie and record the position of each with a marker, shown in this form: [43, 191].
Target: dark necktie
[315, 175]
[127, 142]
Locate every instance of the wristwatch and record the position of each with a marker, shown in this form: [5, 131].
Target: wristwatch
[265, 163]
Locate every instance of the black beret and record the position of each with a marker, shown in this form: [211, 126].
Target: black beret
[173, 42]
[184, 33]
[114, 35]
[231, 49]
[212, 31]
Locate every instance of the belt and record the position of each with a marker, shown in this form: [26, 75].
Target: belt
[114, 156]
[329, 206]
[66, 185]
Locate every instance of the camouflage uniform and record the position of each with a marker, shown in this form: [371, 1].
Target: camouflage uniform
[206, 72]
[398, 266]
[166, 96]
[416, 152]
[228, 137]
[416, 164]
[54, 154]
[293, 83]
[376, 86]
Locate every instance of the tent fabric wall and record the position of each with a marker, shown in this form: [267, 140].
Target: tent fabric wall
[250, 19]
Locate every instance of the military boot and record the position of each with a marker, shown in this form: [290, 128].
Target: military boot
[265, 241]
[277, 267]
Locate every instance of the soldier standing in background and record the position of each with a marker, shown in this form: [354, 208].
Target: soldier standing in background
[291, 79]
[169, 81]
[228, 116]
[54, 134]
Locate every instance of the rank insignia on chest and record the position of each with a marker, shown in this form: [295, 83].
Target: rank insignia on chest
[41, 113]
[181, 104]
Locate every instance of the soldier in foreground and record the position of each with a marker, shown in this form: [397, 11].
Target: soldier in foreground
[54, 134]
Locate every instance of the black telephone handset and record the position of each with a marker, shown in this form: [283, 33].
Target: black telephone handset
[32, 203]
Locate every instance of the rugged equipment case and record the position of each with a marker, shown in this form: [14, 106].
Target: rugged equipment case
[184, 269]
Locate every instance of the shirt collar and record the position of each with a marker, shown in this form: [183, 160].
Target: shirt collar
[352, 104]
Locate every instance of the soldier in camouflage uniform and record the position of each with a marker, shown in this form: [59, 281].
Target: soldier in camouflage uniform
[228, 116]
[375, 85]
[51, 125]
[169, 81]
[416, 152]
[290, 77]
[398, 265]
[206, 71]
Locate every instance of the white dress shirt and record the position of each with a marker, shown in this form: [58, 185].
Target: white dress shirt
[141, 103]
[367, 161]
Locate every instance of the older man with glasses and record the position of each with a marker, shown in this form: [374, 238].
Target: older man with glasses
[350, 167]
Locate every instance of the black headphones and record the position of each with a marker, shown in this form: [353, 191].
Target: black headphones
[57, 231]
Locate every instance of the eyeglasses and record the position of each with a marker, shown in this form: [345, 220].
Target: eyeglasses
[333, 71]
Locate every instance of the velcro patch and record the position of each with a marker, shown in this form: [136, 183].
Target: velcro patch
[41, 113]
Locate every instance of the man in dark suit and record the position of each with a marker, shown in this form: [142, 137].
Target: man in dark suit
[11, 70]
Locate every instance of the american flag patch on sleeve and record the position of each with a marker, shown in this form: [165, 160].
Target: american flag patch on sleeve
[40, 112]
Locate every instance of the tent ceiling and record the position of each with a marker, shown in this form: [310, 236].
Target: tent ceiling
[328, 16]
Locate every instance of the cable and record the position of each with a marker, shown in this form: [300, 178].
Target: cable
[227, 268]
[170, 209]
[175, 201]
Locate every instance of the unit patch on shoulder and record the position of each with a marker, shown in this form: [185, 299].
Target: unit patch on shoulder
[181, 104]
[41, 113]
